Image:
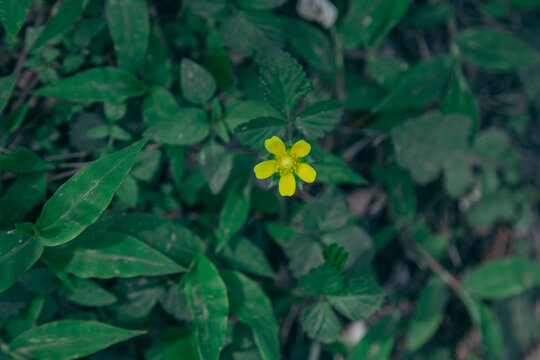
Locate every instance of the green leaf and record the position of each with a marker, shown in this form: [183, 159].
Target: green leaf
[283, 81]
[234, 214]
[22, 160]
[216, 165]
[322, 280]
[17, 255]
[198, 85]
[68, 339]
[251, 306]
[207, 300]
[7, 83]
[11, 122]
[386, 71]
[27, 319]
[378, 343]
[13, 301]
[422, 145]
[319, 118]
[359, 298]
[256, 131]
[357, 244]
[83, 198]
[331, 169]
[320, 323]
[368, 21]
[400, 189]
[502, 278]
[419, 86]
[159, 105]
[189, 126]
[98, 84]
[259, 4]
[492, 337]
[113, 255]
[40, 280]
[241, 253]
[21, 197]
[12, 15]
[304, 253]
[146, 164]
[130, 28]
[67, 14]
[429, 313]
[460, 99]
[499, 205]
[495, 49]
[173, 344]
[242, 112]
[89, 293]
[311, 44]
[173, 240]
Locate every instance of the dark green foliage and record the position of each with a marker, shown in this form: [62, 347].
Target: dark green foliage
[133, 226]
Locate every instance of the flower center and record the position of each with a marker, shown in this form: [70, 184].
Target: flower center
[286, 162]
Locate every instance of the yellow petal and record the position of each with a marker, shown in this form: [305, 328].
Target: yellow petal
[287, 185]
[300, 149]
[275, 146]
[266, 169]
[306, 172]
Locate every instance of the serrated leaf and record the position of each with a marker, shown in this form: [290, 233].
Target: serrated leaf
[98, 84]
[320, 323]
[319, 118]
[502, 278]
[113, 255]
[256, 131]
[495, 49]
[7, 83]
[207, 300]
[357, 244]
[283, 81]
[359, 298]
[429, 313]
[197, 84]
[68, 339]
[216, 165]
[22, 160]
[12, 15]
[243, 111]
[322, 280]
[188, 127]
[82, 199]
[252, 307]
[17, 255]
[418, 86]
[246, 256]
[130, 28]
[67, 14]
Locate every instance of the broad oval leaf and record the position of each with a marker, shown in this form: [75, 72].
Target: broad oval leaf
[83, 198]
[502, 278]
[17, 255]
[113, 255]
[22, 160]
[250, 305]
[256, 131]
[69, 339]
[246, 256]
[198, 85]
[88, 293]
[233, 215]
[130, 28]
[209, 306]
[216, 165]
[104, 84]
[189, 127]
[494, 49]
[333, 170]
[21, 197]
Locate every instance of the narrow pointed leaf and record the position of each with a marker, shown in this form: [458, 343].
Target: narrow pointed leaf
[17, 255]
[7, 83]
[60, 23]
[12, 15]
[83, 198]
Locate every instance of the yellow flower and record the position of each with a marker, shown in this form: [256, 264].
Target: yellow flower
[287, 161]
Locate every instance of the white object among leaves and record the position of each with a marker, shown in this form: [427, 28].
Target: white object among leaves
[321, 11]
